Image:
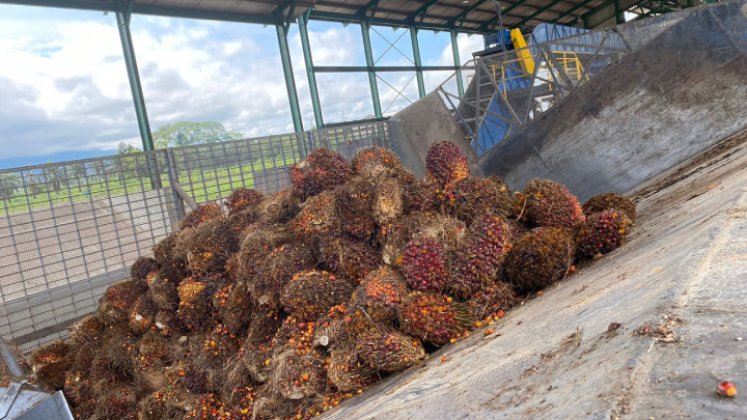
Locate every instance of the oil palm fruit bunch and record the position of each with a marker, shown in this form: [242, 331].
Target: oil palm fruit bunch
[162, 291]
[142, 314]
[446, 162]
[207, 246]
[434, 318]
[610, 200]
[448, 231]
[541, 257]
[201, 214]
[322, 170]
[380, 293]
[243, 198]
[173, 264]
[474, 196]
[424, 265]
[346, 257]
[388, 202]
[142, 267]
[347, 371]
[310, 294]
[318, 216]
[374, 161]
[393, 236]
[491, 299]
[88, 330]
[477, 264]
[603, 232]
[49, 364]
[353, 202]
[115, 305]
[423, 195]
[278, 208]
[277, 269]
[295, 377]
[548, 203]
[259, 242]
[387, 350]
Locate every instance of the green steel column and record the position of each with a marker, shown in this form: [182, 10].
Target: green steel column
[123, 23]
[371, 73]
[457, 63]
[619, 13]
[290, 82]
[418, 65]
[313, 89]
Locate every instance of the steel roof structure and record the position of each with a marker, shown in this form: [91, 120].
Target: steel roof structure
[453, 16]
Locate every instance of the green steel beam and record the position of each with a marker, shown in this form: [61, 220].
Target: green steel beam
[421, 10]
[537, 12]
[418, 64]
[394, 23]
[290, 83]
[123, 24]
[310, 74]
[378, 69]
[373, 84]
[619, 13]
[363, 11]
[457, 62]
[571, 10]
[506, 13]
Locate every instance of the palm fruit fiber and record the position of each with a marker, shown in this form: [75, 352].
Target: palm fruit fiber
[310, 294]
[477, 264]
[548, 203]
[434, 318]
[602, 232]
[610, 200]
[446, 162]
[540, 258]
[322, 170]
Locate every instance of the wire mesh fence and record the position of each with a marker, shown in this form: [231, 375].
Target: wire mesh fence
[68, 230]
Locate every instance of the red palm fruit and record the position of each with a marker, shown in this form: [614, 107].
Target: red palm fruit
[243, 198]
[322, 170]
[373, 161]
[317, 217]
[49, 364]
[277, 269]
[353, 201]
[434, 318]
[477, 264]
[380, 293]
[499, 296]
[446, 162]
[424, 264]
[474, 197]
[294, 334]
[142, 267]
[115, 305]
[348, 258]
[541, 257]
[387, 350]
[602, 232]
[347, 371]
[610, 200]
[422, 195]
[201, 214]
[393, 236]
[310, 294]
[88, 330]
[546, 203]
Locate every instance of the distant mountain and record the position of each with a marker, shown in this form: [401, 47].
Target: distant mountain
[53, 158]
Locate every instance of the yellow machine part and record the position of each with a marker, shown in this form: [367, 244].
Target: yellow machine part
[520, 46]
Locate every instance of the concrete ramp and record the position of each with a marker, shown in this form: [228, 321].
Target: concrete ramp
[677, 290]
[675, 95]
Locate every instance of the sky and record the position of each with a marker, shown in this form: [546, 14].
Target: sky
[64, 90]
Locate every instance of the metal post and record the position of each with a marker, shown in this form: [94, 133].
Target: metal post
[457, 63]
[313, 89]
[371, 73]
[173, 182]
[418, 64]
[619, 14]
[290, 82]
[123, 23]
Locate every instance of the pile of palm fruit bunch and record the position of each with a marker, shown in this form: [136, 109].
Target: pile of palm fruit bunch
[284, 305]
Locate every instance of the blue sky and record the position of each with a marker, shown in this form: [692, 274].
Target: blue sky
[64, 84]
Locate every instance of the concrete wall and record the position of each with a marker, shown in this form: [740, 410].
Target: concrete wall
[421, 124]
[674, 97]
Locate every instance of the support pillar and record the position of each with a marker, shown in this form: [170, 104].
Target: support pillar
[418, 64]
[308, 60]
[619, 13]
[457, 62]
[290, 82]
[123, 24]
[371, 73]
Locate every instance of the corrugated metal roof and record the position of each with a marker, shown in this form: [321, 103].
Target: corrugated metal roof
[463, 15]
